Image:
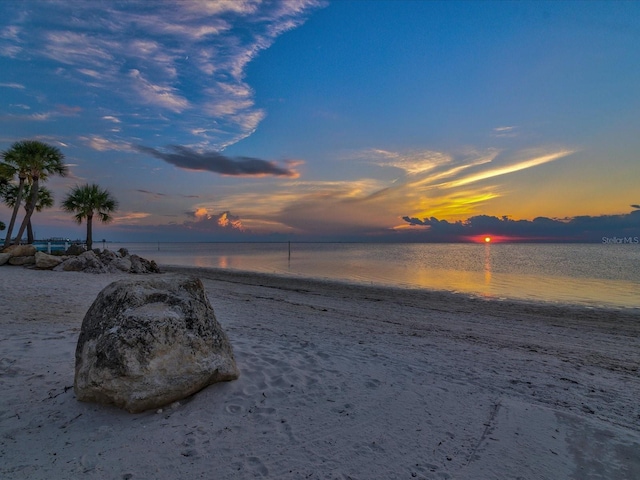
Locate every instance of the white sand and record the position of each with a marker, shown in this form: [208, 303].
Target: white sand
[337, 382]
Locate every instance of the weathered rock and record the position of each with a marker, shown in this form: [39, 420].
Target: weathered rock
[71, 264]
[20, 250]
[106, 261]
[85, 262]
[106, 256]
[45, 261]
[75, 249]
[26, 260]
[122, 264]
[142, 265]
[149, 341]
[4, 258]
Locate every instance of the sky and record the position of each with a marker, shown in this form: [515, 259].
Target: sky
[349, 120]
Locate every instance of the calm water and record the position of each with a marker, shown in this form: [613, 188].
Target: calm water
[586, 274]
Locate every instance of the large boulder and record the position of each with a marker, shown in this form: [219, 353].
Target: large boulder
[45, 261]
[149, 341]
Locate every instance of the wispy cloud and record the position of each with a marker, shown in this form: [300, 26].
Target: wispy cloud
[164, 195]
[412, 163]
[503, 170]
[163, 58]
[60, 111]
[13, 85]
[102, 144]
[10, 41]
[212, 161]
[433, 184]
[163, 96]
[506, 131]
[12, 32]
[40, 117]
[81, 49]
[129, 218]
[10, 51]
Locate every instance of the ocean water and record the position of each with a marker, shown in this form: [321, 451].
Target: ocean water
[584, 274]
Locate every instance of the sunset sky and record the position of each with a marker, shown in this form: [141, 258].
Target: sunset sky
[330, 120]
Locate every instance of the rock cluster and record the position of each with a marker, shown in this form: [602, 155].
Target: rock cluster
[78, 260]
[18, 255]
[147, 342]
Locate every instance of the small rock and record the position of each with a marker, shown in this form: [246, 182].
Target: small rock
[26, 260]
[4, 258]
[85, 262]
[106, 256]
[142, 265]
[45, 261]
[75, 249]
[20, 250]
[122, 264]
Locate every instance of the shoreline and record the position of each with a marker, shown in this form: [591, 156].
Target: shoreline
[556, 273]
[337, 381]
[441, 297]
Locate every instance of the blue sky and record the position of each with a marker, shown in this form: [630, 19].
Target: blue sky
[328, 120]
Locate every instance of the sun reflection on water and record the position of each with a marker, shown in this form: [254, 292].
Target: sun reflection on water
[487, 264]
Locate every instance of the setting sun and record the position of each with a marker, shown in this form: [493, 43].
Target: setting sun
[487, 239]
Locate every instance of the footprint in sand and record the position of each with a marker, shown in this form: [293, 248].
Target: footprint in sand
[372, 384]
[234, 409]
[7, 368]
[285, 429]
[190, 448]
[256, 465]
[262, 410]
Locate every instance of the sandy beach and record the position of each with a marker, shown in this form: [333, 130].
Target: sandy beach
[337, 381]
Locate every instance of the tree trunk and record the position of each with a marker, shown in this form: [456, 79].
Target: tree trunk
[30, 238]
[14, 215]
[31, 206]
[89, 232]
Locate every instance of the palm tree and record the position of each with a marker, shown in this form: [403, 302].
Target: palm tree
[8, 171]
[6, 174]
[45, 200]
[32, 161]
[89, 200]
